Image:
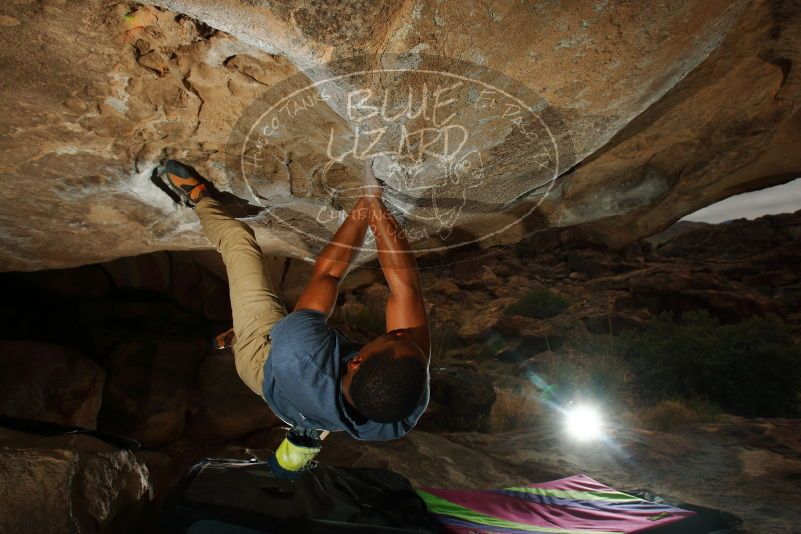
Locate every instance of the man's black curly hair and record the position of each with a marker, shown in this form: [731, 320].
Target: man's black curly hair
[387, 389]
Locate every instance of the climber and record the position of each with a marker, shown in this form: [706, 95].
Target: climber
[310, 375]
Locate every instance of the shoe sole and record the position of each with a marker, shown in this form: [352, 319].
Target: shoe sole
[182, 195]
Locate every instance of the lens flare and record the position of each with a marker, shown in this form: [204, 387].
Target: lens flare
[584, 423]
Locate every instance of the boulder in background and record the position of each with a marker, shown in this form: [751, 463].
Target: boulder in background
[66, 484]
[223, 407]
[148, 388]
[49, 383]
[461, 400]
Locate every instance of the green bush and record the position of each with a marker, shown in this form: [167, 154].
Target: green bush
[749, 368]
[539, 304]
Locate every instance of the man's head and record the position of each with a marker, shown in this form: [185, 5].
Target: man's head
[386, 379]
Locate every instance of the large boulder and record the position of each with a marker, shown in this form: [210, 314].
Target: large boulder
[196, 288]
[636, 94]
[149, 273]
[678, 288]
[149, 387]
[223, 408]
[461, 399]
[179, 276]
[69, 484]
[49, 383]
[84, 282]
[684, 289]
[660, 166]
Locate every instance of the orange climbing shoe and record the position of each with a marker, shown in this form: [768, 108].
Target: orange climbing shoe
[184, 181]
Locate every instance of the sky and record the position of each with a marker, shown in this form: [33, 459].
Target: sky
[785, 198]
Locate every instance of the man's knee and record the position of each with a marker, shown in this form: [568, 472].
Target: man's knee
[237, 233]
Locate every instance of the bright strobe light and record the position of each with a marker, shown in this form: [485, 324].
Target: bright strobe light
[584, 423]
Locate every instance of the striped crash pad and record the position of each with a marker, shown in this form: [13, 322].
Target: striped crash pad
[573, 505]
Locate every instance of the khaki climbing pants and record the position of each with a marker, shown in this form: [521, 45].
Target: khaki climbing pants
[254, 303]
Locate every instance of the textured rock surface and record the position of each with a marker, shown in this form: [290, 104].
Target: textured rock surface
[149, 388]
[67, 484]
[669, 108]
[49, 383]
[223, 407]
[461, 399]
[718, 132]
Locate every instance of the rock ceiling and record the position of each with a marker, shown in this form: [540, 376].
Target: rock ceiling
[486, 120]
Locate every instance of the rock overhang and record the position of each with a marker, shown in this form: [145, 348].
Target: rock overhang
[638, 92]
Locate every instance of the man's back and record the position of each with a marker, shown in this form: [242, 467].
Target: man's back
[302, 379]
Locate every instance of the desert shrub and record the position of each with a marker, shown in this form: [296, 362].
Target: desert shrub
[672, 414]
[749, 368]
[601, 377]
[517, 405]
[539, 304]
[609, 377]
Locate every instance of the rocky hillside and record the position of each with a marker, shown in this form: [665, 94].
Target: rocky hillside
[734, 270]
[123, 347]
[634, 116]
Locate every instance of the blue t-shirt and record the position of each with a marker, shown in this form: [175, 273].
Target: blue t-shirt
[302, 379]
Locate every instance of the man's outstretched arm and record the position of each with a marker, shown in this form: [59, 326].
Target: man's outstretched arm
[332, 264]
[405, 307]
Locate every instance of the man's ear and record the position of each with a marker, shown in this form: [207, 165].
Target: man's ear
[355, 362]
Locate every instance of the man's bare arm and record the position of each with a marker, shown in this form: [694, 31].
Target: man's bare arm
[332, 264]
[405, 307]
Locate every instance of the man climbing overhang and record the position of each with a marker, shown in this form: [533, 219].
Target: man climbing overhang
[311, 376]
